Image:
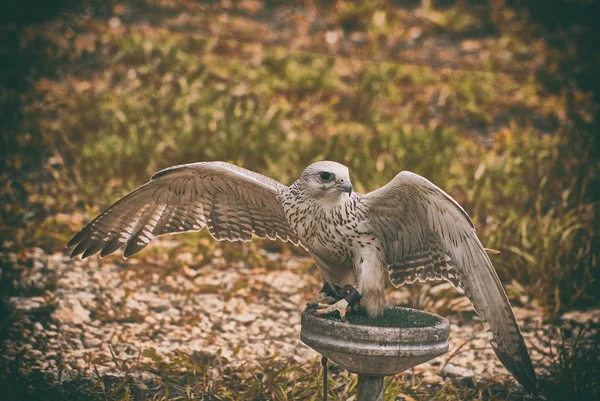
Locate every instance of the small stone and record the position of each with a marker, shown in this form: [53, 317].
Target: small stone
[114, 22]
[35, 353]
[229, 326]
[140, 385]
[186, 258]
[470, 46]
[457, 371]
[245, 317]
[94, 342]
[332, 37]
[585, 317]
[70, 311]
[24, 304]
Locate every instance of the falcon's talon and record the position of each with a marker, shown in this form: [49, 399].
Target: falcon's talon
[340, 306]
[323, 298]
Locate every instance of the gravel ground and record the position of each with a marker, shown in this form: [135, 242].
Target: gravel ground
[89, 313]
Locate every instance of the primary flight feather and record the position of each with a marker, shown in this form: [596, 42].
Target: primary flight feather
[407, 230]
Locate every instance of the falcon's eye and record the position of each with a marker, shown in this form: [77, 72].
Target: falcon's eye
[325, 176]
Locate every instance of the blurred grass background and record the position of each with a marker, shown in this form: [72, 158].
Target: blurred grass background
[496, 102]
[92, 109]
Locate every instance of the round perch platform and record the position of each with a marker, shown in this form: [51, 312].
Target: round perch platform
[374, 348]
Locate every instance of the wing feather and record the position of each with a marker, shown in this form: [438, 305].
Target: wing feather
[434, 238]
[233, 202]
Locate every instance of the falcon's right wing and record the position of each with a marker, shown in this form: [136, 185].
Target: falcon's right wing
[428, 236]
[233, 202]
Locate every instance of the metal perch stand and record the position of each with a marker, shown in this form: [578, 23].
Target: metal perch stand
[370, 388]
[373, 352]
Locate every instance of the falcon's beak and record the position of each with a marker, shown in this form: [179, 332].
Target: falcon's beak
[345, 187]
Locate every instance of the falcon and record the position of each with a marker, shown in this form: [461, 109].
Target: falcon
[407, 230]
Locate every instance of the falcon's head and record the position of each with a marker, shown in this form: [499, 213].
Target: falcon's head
[327, 181]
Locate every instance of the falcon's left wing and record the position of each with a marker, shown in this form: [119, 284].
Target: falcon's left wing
[427, 236]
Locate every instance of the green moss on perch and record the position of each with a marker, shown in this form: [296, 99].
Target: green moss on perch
[392, 317]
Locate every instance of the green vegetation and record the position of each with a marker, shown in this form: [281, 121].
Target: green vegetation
[574, 376]
[97, 110]
[197, 376]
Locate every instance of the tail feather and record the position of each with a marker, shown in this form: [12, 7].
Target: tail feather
[482, 286]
